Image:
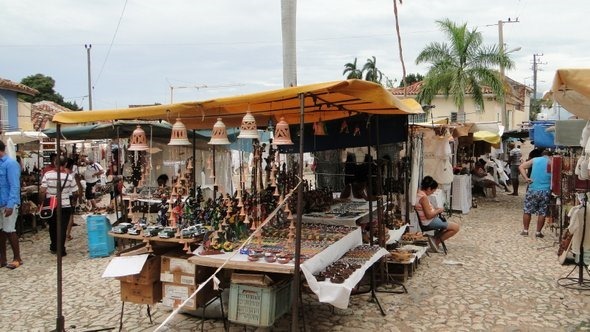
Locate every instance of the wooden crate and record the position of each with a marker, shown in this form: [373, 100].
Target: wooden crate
[141, 293]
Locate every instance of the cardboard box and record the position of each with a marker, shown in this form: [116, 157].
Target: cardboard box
[141, 293]
[175, 294]
[177, 262]
[175, 268]
[149, 274]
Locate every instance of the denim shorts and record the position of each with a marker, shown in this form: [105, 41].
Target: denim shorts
[537, 202]
[438, 223]
[8, 224]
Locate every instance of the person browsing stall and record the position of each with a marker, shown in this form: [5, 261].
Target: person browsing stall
[9, 204]
[49, 187]
[92, 176]
[430, 216]
[538, 195]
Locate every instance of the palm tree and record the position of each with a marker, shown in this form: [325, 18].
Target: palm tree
[463, 65]
[352, 70]
[371, 72]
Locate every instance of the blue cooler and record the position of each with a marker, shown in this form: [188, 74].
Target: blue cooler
[100, 243]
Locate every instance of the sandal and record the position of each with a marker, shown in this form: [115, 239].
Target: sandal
[14, 264]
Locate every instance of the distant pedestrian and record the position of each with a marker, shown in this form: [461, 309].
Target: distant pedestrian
[92, 175]
[515, 159]
[9, 203]
[538, 195]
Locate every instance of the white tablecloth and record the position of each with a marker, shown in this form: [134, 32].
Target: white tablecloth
[396, 234]
[337, 295]
[462, 193]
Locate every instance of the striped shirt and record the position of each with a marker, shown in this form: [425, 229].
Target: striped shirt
[49, 182]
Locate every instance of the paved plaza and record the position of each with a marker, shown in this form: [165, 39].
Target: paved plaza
[503, 282]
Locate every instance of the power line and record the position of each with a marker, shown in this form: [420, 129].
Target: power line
[111, 45]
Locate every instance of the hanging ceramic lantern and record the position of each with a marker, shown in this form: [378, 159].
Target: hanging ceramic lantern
[282, 134]
[138, 140]
[248, 127]
[319, 128]
[179, 134]
[219, 134]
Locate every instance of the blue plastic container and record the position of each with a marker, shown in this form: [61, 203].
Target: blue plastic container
[100, 243]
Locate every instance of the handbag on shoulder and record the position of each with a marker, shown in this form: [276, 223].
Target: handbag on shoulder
[48, 206]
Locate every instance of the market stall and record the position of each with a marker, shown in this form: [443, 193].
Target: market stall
[305, 104]
[571, 89]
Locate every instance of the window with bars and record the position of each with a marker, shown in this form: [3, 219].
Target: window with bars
[3, 112]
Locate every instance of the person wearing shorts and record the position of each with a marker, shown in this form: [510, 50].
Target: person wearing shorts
[428, 215]
[9, 203]
[538, 195]
[92, 176]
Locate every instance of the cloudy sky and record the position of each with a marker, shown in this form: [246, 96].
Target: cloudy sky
[207, 49]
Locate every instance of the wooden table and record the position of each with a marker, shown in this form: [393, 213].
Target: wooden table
[157, 239]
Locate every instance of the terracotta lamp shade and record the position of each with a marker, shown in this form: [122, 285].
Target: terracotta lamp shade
[319, 129]
[179, 134]
[282, 134]
[138, 140]
[219, 134]
[248, 127]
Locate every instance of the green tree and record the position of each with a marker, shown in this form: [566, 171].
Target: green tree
[462, 65]
[372, 73]
[45, 85]
[352, 70]
[411, 79]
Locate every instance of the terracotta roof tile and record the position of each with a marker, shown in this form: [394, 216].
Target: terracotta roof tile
[13, 86]
[43, 111]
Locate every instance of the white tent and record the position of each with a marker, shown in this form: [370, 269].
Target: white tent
[19, 137]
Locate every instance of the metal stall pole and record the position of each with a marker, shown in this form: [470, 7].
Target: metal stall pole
[60, 321]
[369, 196]
[195, 162]
[297, 270]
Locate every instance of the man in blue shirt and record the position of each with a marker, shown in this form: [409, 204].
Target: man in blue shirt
[538, 195]
[9, 203]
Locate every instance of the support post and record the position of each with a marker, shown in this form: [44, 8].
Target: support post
[297, 269]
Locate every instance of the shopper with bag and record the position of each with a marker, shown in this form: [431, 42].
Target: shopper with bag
[48, 193]
[9, 204]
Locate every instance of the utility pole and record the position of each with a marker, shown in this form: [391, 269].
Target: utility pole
[536, 63]
[504, 115]
[88, 47]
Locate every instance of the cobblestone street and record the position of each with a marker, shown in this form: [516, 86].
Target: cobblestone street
[505, 282]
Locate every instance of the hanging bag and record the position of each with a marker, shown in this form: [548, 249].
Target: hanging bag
[50, 203]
